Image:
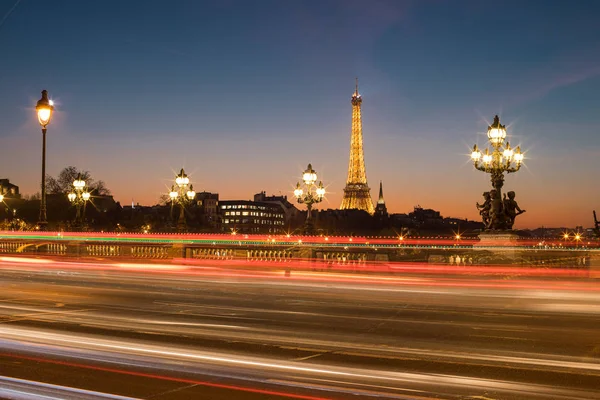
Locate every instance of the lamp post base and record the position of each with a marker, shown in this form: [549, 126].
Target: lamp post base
[497, 239]
[309, 227]
[502, 246]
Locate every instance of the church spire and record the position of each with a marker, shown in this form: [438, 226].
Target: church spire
[381, 209]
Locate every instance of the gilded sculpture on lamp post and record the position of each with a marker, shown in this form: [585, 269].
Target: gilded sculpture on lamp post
[310, 194]
[498, 211]
[183, 194]
[79, 197]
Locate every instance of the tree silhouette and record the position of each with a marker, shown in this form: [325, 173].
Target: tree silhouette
[63, 183]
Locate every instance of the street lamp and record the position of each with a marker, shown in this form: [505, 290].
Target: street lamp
[498, 213]
[309, 195]
[577, 238]
[44, 109]
[79, 197]
[183, 194]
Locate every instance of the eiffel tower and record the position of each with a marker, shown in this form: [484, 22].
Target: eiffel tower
[357, 193]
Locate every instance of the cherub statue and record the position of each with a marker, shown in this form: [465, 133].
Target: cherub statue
[497, 216]
[484, 209]
[511, 208]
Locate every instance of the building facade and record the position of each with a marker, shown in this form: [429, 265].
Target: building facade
[8, 189]
[292, 213]
[246, 216]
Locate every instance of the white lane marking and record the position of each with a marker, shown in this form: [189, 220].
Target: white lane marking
[59, 390]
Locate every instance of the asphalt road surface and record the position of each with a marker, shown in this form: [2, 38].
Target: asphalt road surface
[95, 331]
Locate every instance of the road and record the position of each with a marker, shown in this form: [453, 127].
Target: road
[92, 330]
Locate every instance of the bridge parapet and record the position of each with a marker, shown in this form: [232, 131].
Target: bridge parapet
[327, 250]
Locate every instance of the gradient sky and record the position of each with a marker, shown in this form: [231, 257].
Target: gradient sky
[245, 93]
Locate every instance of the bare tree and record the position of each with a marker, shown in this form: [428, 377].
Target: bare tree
[164, 199]
[63, 183]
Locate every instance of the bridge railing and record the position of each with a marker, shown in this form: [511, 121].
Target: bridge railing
[270, 248]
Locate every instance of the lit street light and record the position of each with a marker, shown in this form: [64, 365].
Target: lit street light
[183, 194]
[498, 214]
[309, 195]
[79, 197]
[577, 238]
[44, 109]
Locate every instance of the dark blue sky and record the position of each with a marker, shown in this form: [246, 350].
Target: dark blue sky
[245, 93]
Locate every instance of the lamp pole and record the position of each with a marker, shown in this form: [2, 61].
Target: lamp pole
[44, 109]
[309, 194]
[2, 202]
[183, 194]
[498, 213]
[79, 197]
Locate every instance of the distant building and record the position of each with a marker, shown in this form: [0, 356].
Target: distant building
[341, 222]
[290, 210]
[208, 207]
[425, 216]
[246, 216]
[422, 221]
[8, 189]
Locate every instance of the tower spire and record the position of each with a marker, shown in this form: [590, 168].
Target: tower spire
[381, 209]
[357, 193]
[381, 200]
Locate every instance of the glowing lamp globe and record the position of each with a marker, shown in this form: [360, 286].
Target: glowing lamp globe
[518, 157]
[190, 193]
[182, 179]
[298, 191]
[508, 152]
[44, 109]
[475, 154]
[496, 132]
[79, 183]
[310, 176]
[320, 190]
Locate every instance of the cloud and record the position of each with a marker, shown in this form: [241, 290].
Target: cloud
[8, 13]
[567, 69]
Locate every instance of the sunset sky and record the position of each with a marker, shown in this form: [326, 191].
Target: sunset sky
[244, 94]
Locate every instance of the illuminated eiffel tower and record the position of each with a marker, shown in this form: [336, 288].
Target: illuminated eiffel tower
[357, 193]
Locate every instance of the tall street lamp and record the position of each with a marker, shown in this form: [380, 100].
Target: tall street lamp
[498, 213]
[183, 194]
[79, 197]
[44, 109]
[309, 195]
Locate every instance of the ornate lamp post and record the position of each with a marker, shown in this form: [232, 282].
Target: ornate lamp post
[309, 195]
[79, 197]
[44, 109]
[498, 213]
[183, 194]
